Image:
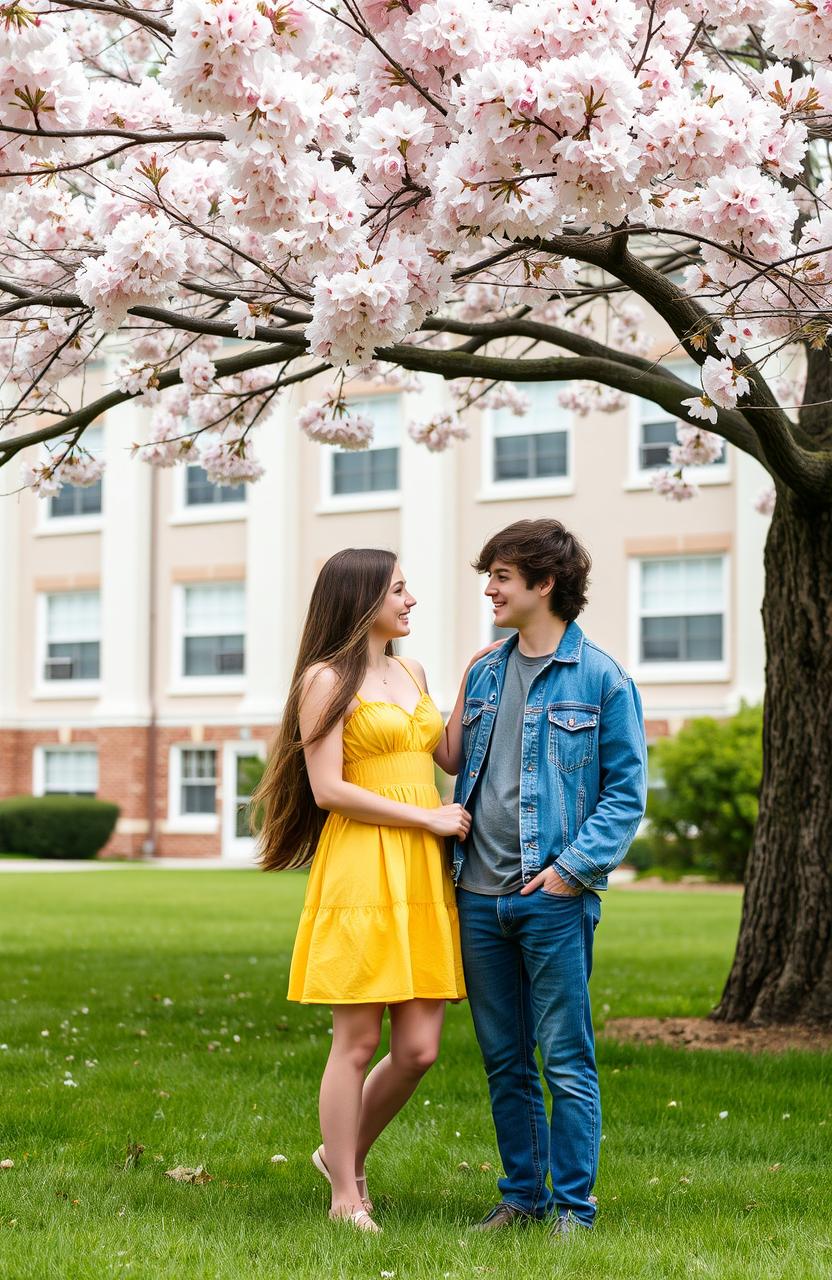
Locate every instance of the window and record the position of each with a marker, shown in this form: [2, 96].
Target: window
[656, 428]
[681, 611]
[80, 500]
[70, 771]
[532, 452]
[201, 492]
[213, 634]
[197, 781]
[73, 636]
[351, 473]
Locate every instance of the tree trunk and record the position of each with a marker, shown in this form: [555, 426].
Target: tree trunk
[782, 970]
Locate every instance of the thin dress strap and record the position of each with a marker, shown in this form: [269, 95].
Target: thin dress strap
[402, 662]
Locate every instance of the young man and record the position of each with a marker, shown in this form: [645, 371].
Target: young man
[554, 775]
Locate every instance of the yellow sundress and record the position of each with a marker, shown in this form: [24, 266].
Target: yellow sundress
[379, 921]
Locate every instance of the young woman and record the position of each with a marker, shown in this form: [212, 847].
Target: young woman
[350, 785]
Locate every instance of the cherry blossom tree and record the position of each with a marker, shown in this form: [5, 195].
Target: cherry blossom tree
[493, 191]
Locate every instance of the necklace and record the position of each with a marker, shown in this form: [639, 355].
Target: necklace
[387, 668]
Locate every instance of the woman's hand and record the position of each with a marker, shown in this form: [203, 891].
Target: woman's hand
[449, 820]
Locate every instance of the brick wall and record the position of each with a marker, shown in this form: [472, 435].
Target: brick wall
[122, 777]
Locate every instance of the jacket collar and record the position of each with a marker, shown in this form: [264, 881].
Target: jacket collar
[569, 649]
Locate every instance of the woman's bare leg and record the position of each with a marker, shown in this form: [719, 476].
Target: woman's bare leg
[356, 1030]
[415, 1031]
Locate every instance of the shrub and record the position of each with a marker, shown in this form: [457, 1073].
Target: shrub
[56, 826]
[702, 815]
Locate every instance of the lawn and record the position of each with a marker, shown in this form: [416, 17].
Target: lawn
[162, 993]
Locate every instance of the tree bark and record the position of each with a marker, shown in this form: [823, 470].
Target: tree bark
[782, 970]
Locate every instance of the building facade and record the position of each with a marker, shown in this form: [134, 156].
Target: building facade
[150, 624]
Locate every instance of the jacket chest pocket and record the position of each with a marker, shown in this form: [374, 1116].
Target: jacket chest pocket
[471, 723]
[573, 736]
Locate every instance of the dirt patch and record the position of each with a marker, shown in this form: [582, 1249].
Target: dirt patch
[700, 1033]
[678, 886]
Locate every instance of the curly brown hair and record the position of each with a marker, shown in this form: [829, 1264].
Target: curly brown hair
[543, 549]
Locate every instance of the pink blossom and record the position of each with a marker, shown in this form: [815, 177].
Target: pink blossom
[230, 462]
[696, 448]
[331, 422]
[766, 500]
[240, 315]
[671, 485]
[438, 432]
[356, 310]
[701, 407]
[142, 262]
[722, 383]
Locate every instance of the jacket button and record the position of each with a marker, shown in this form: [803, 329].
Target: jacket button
[571, 722]
[473, 773]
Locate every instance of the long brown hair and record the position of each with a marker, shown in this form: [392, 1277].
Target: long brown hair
[346, 598]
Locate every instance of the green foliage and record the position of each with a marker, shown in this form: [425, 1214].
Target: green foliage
[56, 826]
[703, 810]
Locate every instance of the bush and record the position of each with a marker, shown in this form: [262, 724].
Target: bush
[703, 811]
[56, 826]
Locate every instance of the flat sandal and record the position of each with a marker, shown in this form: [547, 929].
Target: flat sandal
[359, 1218]
[320, 1165]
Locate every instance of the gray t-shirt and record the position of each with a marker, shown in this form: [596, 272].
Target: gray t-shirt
[492, 854]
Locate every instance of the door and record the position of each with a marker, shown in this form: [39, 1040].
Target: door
[239, 758]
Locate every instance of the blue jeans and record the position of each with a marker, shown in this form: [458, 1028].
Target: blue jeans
[527, 965]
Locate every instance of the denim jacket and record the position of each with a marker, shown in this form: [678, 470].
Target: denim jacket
[583, 766]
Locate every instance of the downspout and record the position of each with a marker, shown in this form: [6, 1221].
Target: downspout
[149, 845]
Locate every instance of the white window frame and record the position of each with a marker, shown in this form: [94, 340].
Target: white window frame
[202, 513]
[376, 500]
[679, 672]
[60, 689]
[39, 764]
[638, 478]
[492, 490]
[47, 525]
[181, 684]
[179, 823]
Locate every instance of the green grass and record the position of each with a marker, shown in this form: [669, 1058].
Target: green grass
[95, 961]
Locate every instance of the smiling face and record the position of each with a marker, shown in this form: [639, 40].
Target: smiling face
[393, 618]
[515, 604]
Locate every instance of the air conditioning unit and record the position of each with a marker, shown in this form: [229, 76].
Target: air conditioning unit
[230, 662]
[60, 668]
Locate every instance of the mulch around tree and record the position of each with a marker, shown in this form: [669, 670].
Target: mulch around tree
[701, 1033]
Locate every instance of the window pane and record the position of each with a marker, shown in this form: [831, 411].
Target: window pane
[689, 584]
[545, 414]
[215, 608]
[75, 500]
[385, 413]
[550, 453]
[71, 772]
[704, 638]
[73, 615]
[512, 458]
[241, 800]
[530, 456]
[79, 660]
[681, 639]
[198, 797]
[214, 655]
[199, 491]
[657, 438]
[661, 639]
[199, 764]
[365, 471]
